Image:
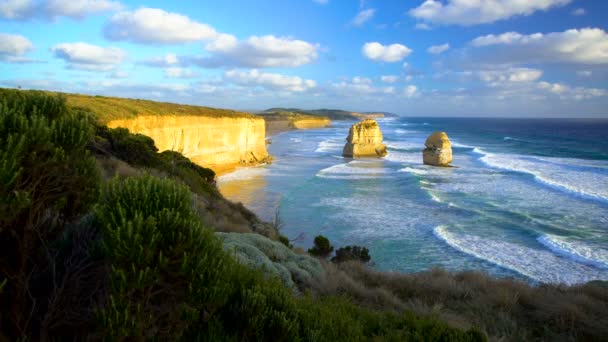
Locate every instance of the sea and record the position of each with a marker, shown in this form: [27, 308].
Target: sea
[526, 198]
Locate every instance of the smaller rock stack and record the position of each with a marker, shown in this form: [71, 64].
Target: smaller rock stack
[438, 151]
[364, 140]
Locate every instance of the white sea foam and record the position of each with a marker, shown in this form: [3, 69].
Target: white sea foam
[296, 140]
[352, 170]
[404, 157]
[540, 265]
[403, 131]
[414, 171]
[576, 250]
[457, 144]
[558, 175]
[404, 145]
[243, 174]
[330, 145]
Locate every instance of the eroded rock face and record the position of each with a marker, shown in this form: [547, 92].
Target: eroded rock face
[438, 151]
[208, 141]
[364, 140]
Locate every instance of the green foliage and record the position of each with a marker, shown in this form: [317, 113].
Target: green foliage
[199, 179]
[166, 269]
[322, 247]
[47, 178]
[135, 149]
[349, 253]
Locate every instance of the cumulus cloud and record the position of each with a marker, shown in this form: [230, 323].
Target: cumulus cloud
[358, 86]
[168, 60]
[438, 49]
[410, 91]
[269, 80]
[84, 56]
[467, 12]
[156, 26]
[257, 52]
[13, 47]
[584, 46]
[389, 78]
[385, 53]
[363, 16]
[181, 73]
[566, 92]
[52, 9]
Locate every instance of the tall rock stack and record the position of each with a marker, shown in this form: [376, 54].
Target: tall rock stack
[364, 140]
[438, 151]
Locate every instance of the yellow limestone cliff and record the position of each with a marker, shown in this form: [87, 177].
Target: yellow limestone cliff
[364, 140]
[214, 142]
[438, 151]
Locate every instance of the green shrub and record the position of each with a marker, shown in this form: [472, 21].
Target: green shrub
[322, 247]
[136, 149]
[47, 178]
[166, 269]
[349, 253]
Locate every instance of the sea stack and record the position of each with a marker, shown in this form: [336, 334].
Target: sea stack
[438, 151]
[364, 140]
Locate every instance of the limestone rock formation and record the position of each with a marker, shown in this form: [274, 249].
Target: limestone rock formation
[208, 141]
[364, 140]
[438, 151]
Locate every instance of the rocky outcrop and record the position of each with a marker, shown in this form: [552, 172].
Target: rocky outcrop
[214, 142]
[364, 140]
[438, 151]
[310, 123]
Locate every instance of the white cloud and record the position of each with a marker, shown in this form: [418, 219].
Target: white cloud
[389, 78]
[84, 56]
[257, 52]
[423, 26]
[156, 26]
[13, 47]
[363, 16]
[52, 9]
[168, 60]
[566, 92]
[579, 11]
[438, 49]
[181, 73]
[509, 75]
[472, 12]
[584, 46]
[385, 53]
[584, 73]
[410, 91]
[269, 80]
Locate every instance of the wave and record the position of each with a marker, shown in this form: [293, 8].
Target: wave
[243, 174]
[403, 131]
[403, 157]
[563, 176]
[352, 170]
[296, 140]
[457, 144]
[540, 265]
[414, 171]
[330, 145]
[404, 145]
[576, 250]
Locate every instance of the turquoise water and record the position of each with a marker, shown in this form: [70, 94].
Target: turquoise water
[527, 198]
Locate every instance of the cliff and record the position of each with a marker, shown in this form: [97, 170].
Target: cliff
[333, 114]
[214, 142]
[364, 140]
[438, 151]
[285, 121]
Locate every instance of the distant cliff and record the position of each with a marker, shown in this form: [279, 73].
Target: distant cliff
[210, 137]
[283, 121]
[333, 114]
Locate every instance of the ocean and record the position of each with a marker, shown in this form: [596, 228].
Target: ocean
[527, 198]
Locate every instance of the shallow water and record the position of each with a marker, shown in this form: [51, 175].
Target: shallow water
[528, 198]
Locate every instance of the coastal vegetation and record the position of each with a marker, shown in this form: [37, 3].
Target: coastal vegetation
[333, 114]
[131, 257]
[103, 237]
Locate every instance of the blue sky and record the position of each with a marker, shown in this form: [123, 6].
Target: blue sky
[537, 58]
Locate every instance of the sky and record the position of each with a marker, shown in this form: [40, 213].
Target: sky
[482, 58]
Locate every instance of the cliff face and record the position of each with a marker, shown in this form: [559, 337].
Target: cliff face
[311, 123]
[438, 151]
[364, 140]
[213, 142]
[284, 121]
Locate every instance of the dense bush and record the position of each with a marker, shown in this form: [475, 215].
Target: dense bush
[322, 247]
[350, 253]
[47, 178]
[167, 270]
[135, 149]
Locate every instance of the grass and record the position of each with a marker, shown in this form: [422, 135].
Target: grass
[111, 108]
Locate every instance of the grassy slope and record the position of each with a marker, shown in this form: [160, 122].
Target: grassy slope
[334, 114]
[111, 108]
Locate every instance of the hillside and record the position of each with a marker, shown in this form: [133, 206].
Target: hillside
[280, 121]
[333, 114]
